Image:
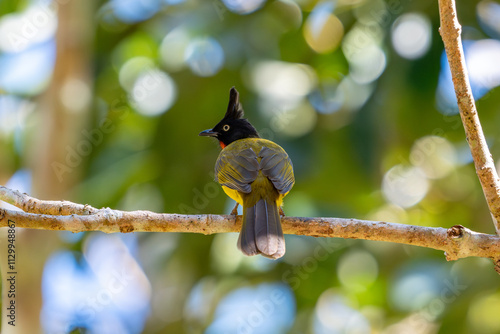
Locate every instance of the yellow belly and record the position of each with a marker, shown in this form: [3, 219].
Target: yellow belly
[234, 194]
[237, 196]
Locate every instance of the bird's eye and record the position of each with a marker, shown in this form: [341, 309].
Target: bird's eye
[225, 127]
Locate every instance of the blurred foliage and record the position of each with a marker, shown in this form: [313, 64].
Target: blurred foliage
[326, 81]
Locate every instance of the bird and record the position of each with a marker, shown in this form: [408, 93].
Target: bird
[257, 173]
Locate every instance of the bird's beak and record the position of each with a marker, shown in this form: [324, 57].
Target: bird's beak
[208, 133]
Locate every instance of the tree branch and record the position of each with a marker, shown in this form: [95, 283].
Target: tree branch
[33, 205]
[485, 167]
[457, 242]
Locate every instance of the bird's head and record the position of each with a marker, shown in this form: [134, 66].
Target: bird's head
[233, 126]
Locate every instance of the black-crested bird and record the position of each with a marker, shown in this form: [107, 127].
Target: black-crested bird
[257, 174]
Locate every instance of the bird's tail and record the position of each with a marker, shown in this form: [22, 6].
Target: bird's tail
[261, 231]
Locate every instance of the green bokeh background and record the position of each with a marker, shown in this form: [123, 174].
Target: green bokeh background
[159, 163]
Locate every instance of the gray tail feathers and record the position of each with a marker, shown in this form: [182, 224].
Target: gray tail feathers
[261, 232]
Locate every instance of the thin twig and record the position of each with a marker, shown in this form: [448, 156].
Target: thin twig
[485, 167]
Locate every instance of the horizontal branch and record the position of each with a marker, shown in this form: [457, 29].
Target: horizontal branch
[457, 242]
[34, 205]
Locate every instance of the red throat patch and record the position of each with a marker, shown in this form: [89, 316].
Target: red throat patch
[222, 145]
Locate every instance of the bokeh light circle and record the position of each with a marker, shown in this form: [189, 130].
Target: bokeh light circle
[357, 270]
[323, 31]
[19, 31]
[131, 69]
[204, 56]
[411, 35]
[173, 48]
[367, 64]
[405, 185]
[295, 122]
[334, 315]
[153, 93]
[243, 6]
[434, 155]
[482, 315]
[283, 81]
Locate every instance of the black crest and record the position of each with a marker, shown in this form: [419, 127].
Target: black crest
[233, 126]
[234, 109]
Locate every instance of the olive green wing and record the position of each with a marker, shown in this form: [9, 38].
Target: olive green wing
[237, 170]
[277, 166]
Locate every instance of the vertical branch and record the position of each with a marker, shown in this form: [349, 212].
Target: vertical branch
[485, 167]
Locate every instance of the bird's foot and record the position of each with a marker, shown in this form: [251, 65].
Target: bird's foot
[282, 213]
[235, 210]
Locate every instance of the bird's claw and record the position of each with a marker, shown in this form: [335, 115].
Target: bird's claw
[235, 210]
[282, 213]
